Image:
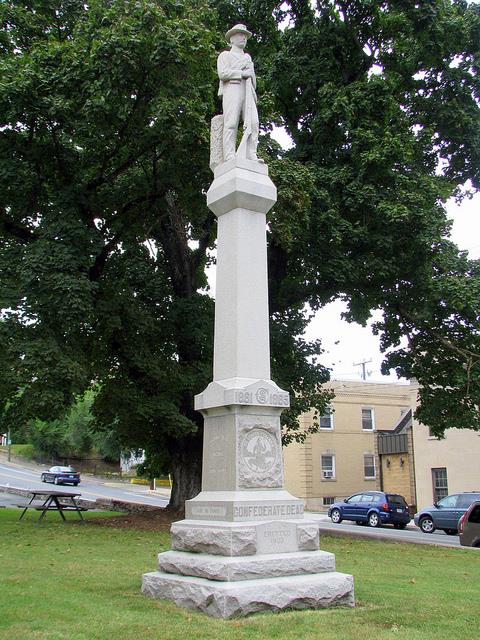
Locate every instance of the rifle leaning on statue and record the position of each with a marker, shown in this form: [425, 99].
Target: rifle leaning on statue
[247, 124]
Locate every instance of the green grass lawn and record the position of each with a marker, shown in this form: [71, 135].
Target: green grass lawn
[71, 581]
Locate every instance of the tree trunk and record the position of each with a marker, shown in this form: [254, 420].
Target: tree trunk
[183, 268]
[186, 470]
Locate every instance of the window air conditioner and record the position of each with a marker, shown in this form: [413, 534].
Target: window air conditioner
[328, 474]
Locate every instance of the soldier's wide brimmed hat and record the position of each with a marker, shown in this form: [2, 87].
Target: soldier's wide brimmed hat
[238, 28]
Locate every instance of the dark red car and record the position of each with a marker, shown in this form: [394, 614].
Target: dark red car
[469, 526]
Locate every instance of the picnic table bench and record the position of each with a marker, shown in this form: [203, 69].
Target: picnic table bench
[52, 501]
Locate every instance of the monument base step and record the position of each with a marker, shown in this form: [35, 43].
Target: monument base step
[238, 599]
[234, 569]
[245, 538]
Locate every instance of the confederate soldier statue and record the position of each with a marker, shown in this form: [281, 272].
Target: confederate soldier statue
[237, 88]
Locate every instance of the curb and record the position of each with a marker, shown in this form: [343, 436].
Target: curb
[363, 535]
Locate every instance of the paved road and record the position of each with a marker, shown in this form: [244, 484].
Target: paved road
[410, 534]
[91, 487]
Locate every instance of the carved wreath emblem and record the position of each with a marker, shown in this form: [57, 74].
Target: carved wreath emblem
[259, 451]
[260, 463]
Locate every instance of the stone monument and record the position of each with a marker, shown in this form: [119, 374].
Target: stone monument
[245, 545]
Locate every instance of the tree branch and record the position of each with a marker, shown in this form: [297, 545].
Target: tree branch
[96, 269]
[464, 353]
[177, 252]
[18, 231]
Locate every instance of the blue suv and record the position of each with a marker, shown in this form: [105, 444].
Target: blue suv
[373, 508]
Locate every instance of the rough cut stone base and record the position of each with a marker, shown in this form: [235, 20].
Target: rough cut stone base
[236, 599]
[233, 569]
[246, 538]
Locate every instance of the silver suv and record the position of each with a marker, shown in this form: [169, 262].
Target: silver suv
[469, 526]
[445, 513]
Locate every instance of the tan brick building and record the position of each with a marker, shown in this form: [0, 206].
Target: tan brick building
[371, 441]
[342, 457]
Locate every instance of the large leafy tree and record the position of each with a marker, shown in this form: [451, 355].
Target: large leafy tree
[382, 100]
[105, 236]
[103, 107]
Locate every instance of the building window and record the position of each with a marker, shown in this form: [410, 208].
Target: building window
[326, 421]
[328, 467]
[440, 484]
[367, 420]
[328, 500]
[369, 466]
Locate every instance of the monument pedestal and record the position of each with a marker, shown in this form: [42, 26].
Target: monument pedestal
[236, 599]
[245, 545]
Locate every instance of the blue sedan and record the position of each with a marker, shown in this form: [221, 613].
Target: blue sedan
[61, 475]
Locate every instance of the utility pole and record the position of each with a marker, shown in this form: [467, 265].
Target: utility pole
[9, 445]
[364, 371]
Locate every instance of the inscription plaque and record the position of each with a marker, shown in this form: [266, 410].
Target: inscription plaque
[217, 452]
[277, 537]
[208, 510]
[261, 511]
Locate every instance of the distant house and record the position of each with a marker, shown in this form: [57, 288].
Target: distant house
[131, 459]
[369, 439]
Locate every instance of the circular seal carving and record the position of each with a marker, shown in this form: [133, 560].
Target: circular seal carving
[259, 451]
[262, 395]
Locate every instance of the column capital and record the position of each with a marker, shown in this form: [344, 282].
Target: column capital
[241, 184]
[242, 391]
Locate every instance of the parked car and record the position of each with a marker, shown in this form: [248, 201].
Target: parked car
[61, 475]
[373, 508]
[469, 526]
[445, 513]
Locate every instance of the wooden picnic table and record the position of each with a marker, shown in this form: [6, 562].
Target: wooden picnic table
[60, 501]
